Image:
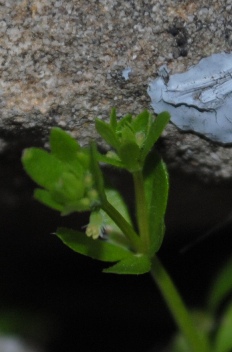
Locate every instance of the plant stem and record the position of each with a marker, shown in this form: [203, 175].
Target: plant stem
[197, 342]
[141, 210]
[126, 228]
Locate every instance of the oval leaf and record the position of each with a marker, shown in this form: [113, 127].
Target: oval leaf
[132, 265]
[44, 168]
[107, 133]
[45, 198]
[96, 249]
[141, 122]
[156, 188]
[63, 146]
[129, 154]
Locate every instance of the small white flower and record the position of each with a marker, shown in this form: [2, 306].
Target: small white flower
[95, 226]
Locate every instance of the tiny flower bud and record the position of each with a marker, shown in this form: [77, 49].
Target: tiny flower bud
[94, 227]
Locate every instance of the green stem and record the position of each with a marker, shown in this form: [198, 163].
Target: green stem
[197, 342]
[141, 210]
[126, 228]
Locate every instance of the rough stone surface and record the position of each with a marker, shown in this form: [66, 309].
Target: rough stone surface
[61, 64]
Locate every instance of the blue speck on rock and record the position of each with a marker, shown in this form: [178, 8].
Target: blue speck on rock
[126, 72]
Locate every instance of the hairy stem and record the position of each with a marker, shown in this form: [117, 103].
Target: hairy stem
[126, 228]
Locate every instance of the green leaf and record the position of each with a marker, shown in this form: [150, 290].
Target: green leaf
[129, 154]
[44, 168]
[141, 122]
[81, 205]
[223, 340]
[66, 149]
[68, 188]
[96, 249]
[124, 121]
[110, 159]
[154, 133]
[45, 198]
[83, 157]
[107, 133]
[156, 188]
[65, 207]
[141, 125]
[63, 146]
[132, 265]
[113, 119]
[127, 135]
[221, 288]
[96, 172]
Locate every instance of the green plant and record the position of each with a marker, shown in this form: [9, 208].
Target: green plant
[71, 180]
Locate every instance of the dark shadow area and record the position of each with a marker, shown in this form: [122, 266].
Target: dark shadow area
[61, 300]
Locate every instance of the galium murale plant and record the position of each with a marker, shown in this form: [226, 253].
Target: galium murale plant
[71, 180]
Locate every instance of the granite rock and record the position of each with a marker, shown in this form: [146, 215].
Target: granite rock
[62, 64]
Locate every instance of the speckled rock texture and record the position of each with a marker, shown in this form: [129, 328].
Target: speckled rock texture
[61, 64]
